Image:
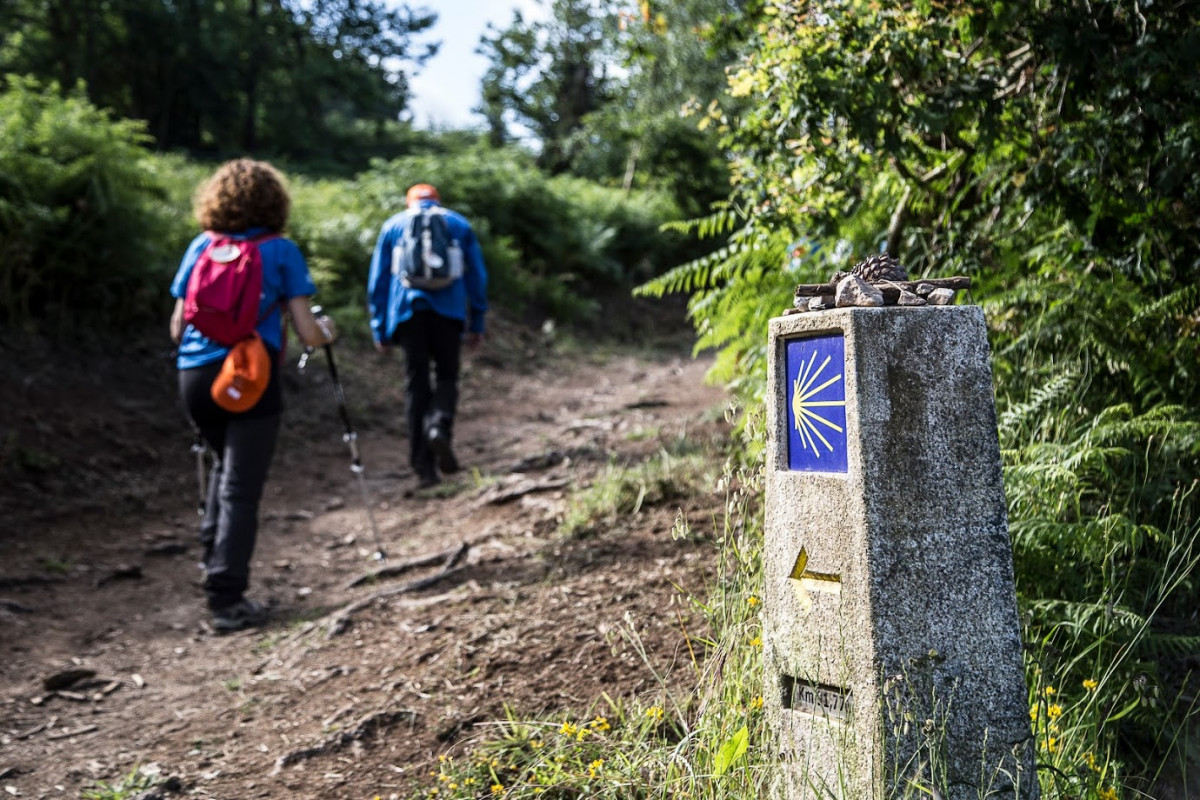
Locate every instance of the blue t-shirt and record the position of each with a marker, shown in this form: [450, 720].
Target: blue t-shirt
[285, 275]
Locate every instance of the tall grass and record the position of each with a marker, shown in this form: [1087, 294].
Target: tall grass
[624, 491]
[1103, 508]
[1109, 707]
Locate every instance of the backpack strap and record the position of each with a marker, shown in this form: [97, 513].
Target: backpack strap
[257, 241]
[280, 304]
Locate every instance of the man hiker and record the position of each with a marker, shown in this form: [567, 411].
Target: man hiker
[427, 284]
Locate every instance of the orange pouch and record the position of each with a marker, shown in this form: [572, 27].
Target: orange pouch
[244, 376]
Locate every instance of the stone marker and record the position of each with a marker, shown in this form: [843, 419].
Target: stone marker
[890, 630]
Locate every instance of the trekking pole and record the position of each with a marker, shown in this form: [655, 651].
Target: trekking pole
[350, 437]
[198, 449]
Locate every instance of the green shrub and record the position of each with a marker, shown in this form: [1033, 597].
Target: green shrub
[83, 236]
[92, 225]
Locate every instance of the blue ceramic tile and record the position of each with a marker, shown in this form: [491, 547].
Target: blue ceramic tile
[816, 404]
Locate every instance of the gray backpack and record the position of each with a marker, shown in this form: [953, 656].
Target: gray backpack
[427, 257]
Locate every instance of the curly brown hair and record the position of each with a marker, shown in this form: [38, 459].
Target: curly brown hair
[243, 194]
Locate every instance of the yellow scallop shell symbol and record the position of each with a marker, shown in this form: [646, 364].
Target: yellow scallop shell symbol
[804, 404]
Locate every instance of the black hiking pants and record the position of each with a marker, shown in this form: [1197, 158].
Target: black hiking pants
[243, 445]
[429, 340]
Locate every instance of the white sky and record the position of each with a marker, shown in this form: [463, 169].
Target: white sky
[447, 87]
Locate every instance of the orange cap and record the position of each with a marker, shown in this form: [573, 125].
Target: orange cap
[422, 191]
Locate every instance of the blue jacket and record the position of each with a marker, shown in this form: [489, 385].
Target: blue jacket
[285, 275]
[391, 302]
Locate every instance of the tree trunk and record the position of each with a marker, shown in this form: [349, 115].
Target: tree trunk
[187, 121]
[250, 125]
[635, 150]
[61, 25]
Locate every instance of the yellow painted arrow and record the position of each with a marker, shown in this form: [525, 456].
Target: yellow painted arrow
[804, 581]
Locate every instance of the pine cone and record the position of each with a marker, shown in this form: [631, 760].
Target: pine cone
[880, 268]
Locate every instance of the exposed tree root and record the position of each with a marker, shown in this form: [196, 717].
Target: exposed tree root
[50, 723]
[507, 492]
[395, 570]
[337, 625]
[450, 568]
[366, 726]
[15, 606]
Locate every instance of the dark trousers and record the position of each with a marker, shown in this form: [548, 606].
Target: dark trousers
[243, 445]
[429, 340]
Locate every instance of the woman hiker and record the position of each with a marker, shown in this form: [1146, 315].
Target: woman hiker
[243, 208]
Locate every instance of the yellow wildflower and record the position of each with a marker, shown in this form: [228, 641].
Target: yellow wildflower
[1048, 691]
[655, 713]
[497, 788]
[1090, 760]
[600, 724]
[568, 729]
[595, 767]
[752, 601]
[756, 704]
[1054, 711]
[1108, 793]
[1033, 713]
[756, 642]
[452, 786]
[1052, 745]
[537, 744]
[1090, 685]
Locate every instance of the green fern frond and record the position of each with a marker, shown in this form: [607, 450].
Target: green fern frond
[1044, 397]
[722, 221]
[1162, 644]
[1096, 618]
[693, 276]
[1184, 301]
[1165, 423]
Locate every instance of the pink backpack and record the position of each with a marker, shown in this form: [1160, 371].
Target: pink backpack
[224, 289]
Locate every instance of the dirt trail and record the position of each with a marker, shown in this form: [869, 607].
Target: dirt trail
[97, 571]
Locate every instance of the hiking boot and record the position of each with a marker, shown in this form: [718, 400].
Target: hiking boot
[427, 480]
[439, 443]
[242, 614]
